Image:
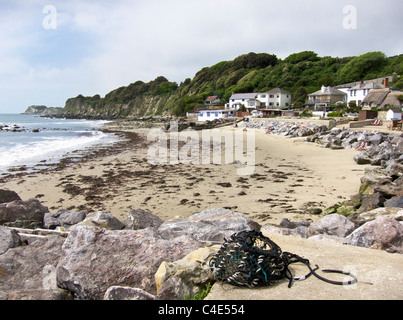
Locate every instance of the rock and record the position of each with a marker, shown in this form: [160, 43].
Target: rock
[94, 259]
[186, 277]
[7, 196]
[383, 233]
[333, 224]
[140, 219]
[375, 139]
[371, 202]
[63, 218]
[209, 225]
[29, 272]
[285, 223]
[300, 231]
[127, 293]
[8, 239]
[389, 212]
[396, 202]
[23, 214]
[362, 158]
[102, 220]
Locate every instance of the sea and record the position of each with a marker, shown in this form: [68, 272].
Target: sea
[28, 141]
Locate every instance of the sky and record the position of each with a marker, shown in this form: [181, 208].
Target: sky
[52, 50]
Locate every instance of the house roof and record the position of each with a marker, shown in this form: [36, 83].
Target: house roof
[328, 91]
[376, 96]
[240, 96]
[391, 100]
[211, 98]
[278, 90]
[372, 85]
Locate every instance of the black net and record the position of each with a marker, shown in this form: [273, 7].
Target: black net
[249, 259]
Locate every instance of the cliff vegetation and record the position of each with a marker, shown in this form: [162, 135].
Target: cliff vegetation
[300, 73]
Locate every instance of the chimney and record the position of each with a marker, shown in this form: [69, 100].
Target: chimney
[386, 82]
[323, 89]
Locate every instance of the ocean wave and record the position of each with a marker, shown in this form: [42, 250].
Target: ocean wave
[50, 149]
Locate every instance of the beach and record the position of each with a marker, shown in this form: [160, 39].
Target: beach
[292, 179]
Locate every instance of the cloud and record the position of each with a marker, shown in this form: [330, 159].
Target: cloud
[101, 45]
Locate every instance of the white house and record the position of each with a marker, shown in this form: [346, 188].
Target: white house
[273, 99]
[249, 100]
[209, 115]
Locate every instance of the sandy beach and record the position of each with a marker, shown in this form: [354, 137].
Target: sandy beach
[290, 175]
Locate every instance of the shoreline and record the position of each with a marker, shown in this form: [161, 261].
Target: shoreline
[291, 177]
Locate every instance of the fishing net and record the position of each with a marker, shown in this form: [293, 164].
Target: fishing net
[250, 259]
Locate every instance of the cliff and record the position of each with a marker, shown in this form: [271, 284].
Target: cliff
[42, 110]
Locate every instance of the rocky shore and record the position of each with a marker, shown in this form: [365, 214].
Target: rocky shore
[70, 255]
[93, 255]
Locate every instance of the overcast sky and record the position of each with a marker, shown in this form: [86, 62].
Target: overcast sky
[94, 46]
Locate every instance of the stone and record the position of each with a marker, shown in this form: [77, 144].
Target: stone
[383, 233]
[186, 277]
[209, 225]
[127, 293]
[29, 272]
[23, 214]
[389, 212]
[300, 231]
[375, 139]
[332, 224]
[361, 158]
[371, 201]
[8, 239]
[102, 220]
[141, 219]
[63, 218]
[7, 196]
[396, 202]
[94, 259]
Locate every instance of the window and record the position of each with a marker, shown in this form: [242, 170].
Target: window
[201, 114]
[208, 114]
[272, 96]
[263, 96]
[251, 103]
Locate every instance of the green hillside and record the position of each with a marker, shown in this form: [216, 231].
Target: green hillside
[300, 73]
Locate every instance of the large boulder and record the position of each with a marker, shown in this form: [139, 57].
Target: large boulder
[141, 219]
[209, 225]
[29, 272]
[332, 224]
[383, 233]
[8, 239]
[62, 218]
[186, 277]
[94, 259]
[102, 220]
[7, 196]
[23, 214]
[389, 212]
[127, 293]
